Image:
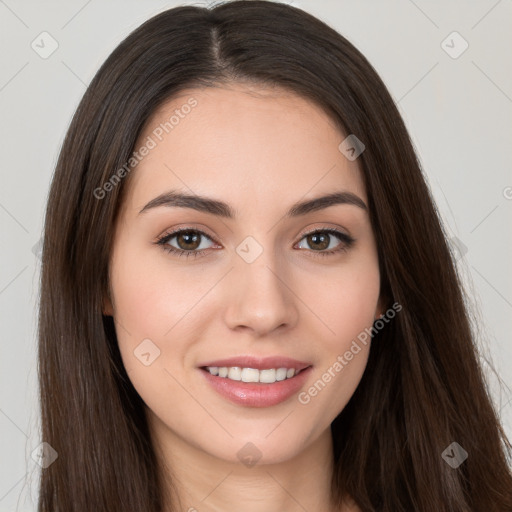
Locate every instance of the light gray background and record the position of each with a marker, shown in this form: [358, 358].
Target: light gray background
[458, 111]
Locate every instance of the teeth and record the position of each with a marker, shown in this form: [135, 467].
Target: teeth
[281, 374]
[235, 373]
[250, 375]
[267, 376]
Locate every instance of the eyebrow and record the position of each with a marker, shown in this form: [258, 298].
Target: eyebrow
[221, 209]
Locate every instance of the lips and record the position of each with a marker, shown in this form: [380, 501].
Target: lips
[258, 363]
[257, 394]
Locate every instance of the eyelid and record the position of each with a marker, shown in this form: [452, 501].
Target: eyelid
[174, 231]
[325, 227]
[203, 230]
[345, 239]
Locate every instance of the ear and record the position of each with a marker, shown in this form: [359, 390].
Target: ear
[381, 307]
[108, 309]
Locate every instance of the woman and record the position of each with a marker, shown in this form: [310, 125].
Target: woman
[248, 301]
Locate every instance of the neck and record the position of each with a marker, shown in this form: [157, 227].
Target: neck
[202, 482]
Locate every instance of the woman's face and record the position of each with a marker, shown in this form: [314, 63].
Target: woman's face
[256, 283]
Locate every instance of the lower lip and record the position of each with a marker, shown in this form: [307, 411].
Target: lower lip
[257, 394]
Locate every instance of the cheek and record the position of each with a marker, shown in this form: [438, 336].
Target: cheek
[154, 297]
[348, 306]
[150, 295]
[347, 302]
[157, 300]
[151, 305]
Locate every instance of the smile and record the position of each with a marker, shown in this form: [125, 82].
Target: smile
[267, 376]
[240, 387]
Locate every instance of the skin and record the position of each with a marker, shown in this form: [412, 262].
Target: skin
[260, 150]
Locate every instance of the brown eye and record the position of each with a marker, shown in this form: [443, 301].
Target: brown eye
[318, 240]
[188, 240]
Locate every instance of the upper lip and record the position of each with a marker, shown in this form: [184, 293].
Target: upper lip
[258, 363]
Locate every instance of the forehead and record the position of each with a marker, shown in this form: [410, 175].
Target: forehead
[247, 144]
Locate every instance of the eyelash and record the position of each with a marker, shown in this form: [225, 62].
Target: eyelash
[347, 242]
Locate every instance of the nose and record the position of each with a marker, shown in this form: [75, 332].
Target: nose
[261, 296]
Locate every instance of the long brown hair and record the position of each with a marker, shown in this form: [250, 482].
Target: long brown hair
[423, 387]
